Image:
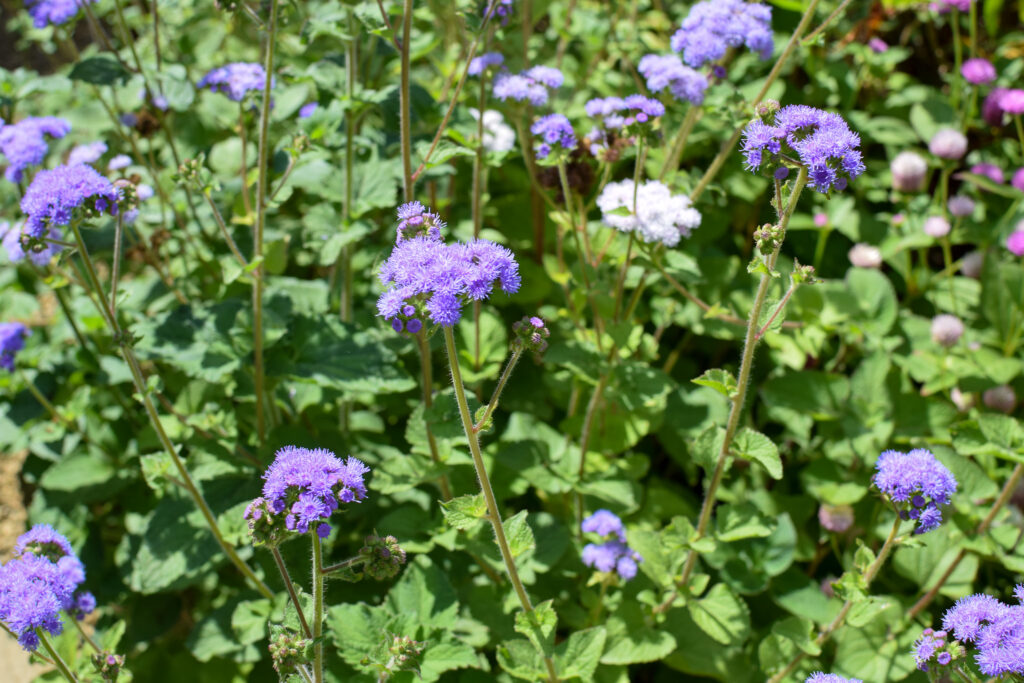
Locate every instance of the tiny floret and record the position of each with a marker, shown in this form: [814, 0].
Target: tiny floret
[554, 133]
[235, 80]
[24, 143]
[917, 483]
[484, 62]
[667, 72]
[612, 556]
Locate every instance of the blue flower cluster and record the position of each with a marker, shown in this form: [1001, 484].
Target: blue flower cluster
[41, 581]
[530, 86]
[916, 483]
[424, 276]
[713, 26]
[306, 486]
[54, 194]
[931, 646]
[485, 61]
[11, 236]
[56, 12]
[995, 629]
[820, 140]
[820, 677]
[622, 112]
[613, 555]
[12, 340]
[235, 80]
[415, 220]
[555, 132]
[24, 142]
[88, 153]
[668, 71]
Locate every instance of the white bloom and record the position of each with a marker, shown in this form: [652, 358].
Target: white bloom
[865, 256]
[498, 136]
[660, 215]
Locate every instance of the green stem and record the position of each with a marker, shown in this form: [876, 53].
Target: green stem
[869, 575]
[1020, 132]
[154, 418]
[739, 398]
[44, 402]
[85, 636]
[947, 257]
[1004, 496]
[493, 513]
[243, 172]
[225, 233]
[57, 661]
[350, 562]
[588, 424]
[290, 586]
[423, 344]
[351, 67]
[404, 103]
[259, 224]
[726, 149]
[679, 143]
[567, 196]
[318, 608]
[500, 387]
[958, 57]
[819, 248]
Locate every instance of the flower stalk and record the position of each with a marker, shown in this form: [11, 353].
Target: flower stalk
[318, 607]
[290, 586]
[61, 665]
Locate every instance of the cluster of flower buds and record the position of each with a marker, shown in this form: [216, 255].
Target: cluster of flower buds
[108, 665]
[265, 527]
[769, 237]
[383, 557]
[530, 335]
[288, 650]
[194, 172]
[933, 650]
[415, 220]
[395, 653]
[803, 274]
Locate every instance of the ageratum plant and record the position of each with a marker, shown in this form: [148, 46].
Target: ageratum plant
[506, 340]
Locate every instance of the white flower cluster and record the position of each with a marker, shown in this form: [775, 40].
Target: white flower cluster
[660, 215]
[498, 136]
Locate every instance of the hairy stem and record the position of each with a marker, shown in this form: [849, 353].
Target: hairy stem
[318, 607]
[263, 152]
[428, 400]
[57, 661]
[404, 112]
[493, 513]
[500, 387]
[290, 586]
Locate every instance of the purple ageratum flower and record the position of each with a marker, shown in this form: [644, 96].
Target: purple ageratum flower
[917, 483]
[55, 12]
[45, 541]
[555, 132]
[926, 647]
[978, 71]
[24, 144]
[969, 615]
[308, 109]
[1012, 102]
[502, 9]
[660, 215]
[822, 140]
[11, 238]
[602, 522]
[820, 677]
[668, 72]
[644, 109]
[236, 79]
[1001, 644]
[480, 64]
[308, 484]
[424, 275]
[119, 162]
[12, 340]
[713, 26]
[414, 220]
[87, 154]
[54, 195]
[28, 600]
[613, 556]
[530, 86]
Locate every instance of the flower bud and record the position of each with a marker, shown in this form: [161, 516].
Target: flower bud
[961, 206]
[971, 263]
[946, 330]
[908, 171]
[265, 527]
[948, 143]
[835, 518]
[384, 557]
[530, 334]
[865, 256]
[1001, 398]
[978, 71]
[936, 226]
[108, 665]
[962, 401]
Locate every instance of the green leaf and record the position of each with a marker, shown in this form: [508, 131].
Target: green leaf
[520, 659]
[721, 381]
[739, 521]
[580, 654]
[722, 615]
[425, 596]
[447, 655]
[249, 620]
[753, 445]
[539, 627]
[799, 631]
[519, 534]
[356, 629]
[99, 70]
[465, 512]
[631, 640]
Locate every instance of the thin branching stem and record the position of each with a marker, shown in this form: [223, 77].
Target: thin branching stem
[61, 665]
[290, 587]
[318, 608]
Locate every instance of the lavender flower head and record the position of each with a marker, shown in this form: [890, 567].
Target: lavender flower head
[668, 72]
[878, 45]
[821, 140]
[960, 206]
[713, 26]
[485, 61]
[307, 485]
[40, 582]
[531, 86]
[12, 340]
[88, 153]
[24, 143]
[819, 677]
[555, 133]
[119, 162]
[308, 109]
[235, 80]
[612, 555]
[56, 12]
[660, 215]
[978, 71]
[990, 171]
[425, 277]
[19, 245]
[414, 220]
[917, 483]
[54, 195]
[908, 171]
[948, 143]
